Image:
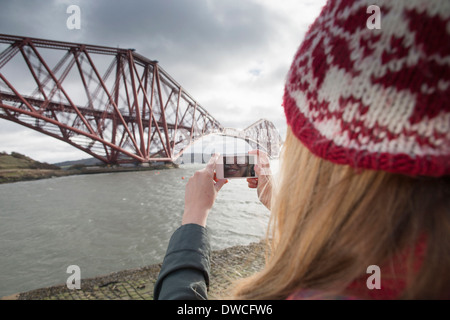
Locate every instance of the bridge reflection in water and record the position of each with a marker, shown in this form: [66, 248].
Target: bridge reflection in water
[112, 103]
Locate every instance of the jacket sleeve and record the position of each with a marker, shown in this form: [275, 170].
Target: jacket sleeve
[185, 270]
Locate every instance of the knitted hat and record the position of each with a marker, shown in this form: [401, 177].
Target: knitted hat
[375, 98]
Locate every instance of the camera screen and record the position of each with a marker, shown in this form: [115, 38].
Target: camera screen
[238, 166]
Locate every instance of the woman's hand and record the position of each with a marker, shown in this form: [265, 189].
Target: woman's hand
[201, 192]
[263, 182]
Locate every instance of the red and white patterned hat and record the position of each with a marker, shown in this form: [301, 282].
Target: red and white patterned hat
[375, 98]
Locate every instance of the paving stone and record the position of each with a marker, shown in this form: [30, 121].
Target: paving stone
[227, 266]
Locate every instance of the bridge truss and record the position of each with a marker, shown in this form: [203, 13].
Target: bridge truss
[112, 103]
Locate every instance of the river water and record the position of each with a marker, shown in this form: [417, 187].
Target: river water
[108, 222]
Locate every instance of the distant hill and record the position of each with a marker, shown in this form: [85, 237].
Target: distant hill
[83, 162]
[16, 160]
[16, 167]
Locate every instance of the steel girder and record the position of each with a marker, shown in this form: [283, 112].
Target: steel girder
[114, 104]
[260, 135]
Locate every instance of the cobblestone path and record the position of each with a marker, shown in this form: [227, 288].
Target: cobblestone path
[226, 266]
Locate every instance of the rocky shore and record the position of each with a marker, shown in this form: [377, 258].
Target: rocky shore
[227, 265]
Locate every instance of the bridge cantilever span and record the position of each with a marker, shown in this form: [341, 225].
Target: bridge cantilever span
[112, 103]
[260, 135]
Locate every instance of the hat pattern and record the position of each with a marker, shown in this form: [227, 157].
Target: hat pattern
[375, 98]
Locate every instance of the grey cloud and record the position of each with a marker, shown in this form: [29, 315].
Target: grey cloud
[204, 45]
[183, 31]
[39, 19]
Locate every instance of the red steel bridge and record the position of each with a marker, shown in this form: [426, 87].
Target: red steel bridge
[112, 103]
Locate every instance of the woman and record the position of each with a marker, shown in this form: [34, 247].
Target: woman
[238, 167]
[364, 181]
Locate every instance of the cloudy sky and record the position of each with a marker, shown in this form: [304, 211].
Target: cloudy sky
[232, 56]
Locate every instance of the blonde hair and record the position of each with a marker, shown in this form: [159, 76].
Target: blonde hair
[330, 222]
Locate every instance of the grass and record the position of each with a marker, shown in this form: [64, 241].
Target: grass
[19, 161]
[18, 167]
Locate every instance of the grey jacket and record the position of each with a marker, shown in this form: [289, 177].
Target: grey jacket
[186, 266]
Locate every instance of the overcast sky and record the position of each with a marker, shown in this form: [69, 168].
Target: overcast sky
[232, 56]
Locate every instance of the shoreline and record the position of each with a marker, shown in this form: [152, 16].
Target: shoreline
[19, 174]
[227, 265]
